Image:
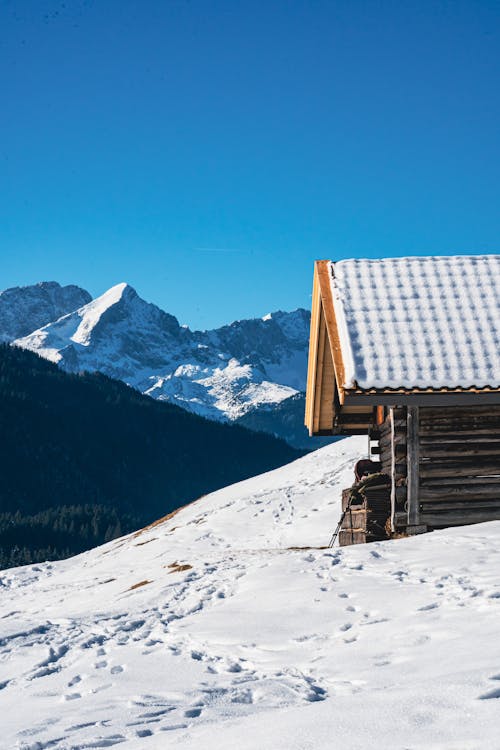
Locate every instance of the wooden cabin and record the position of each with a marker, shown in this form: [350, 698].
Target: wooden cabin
[407, 351]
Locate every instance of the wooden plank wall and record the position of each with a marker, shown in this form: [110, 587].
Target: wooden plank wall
[459, 465]
[458, 459]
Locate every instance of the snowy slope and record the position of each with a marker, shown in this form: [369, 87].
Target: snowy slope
[22, 309]
[213, 629]
[220, 374]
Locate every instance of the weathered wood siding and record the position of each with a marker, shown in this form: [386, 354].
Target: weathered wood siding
[457, 461]
[459, 465]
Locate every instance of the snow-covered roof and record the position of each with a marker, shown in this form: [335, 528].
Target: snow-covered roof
[419, 322]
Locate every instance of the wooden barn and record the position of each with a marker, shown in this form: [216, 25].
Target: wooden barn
[407, 351]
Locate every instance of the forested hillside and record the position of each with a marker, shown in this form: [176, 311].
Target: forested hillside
[85, 458]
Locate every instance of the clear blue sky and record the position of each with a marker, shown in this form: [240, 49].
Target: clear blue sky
[207, 152]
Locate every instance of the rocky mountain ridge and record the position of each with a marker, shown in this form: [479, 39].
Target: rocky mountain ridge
[224, 374]
[25, 308]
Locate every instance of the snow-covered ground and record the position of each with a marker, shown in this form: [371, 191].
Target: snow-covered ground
[214, 629]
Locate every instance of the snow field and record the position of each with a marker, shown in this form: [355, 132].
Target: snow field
[213, 629]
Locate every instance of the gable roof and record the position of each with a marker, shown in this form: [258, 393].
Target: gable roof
[404, 325]
[431, 322]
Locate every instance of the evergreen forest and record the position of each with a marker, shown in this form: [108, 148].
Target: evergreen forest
[85, 459]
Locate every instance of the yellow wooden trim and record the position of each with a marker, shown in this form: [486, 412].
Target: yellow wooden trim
[318, 386]
[324, 280]
[313, 355]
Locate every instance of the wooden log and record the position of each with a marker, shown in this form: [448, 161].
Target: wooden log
[461, 416]
[357, 519]
[459, 439]
[458, 469]
[465, 493]
[399, 438]
[457, 452]
[472, 506]
[346, 494]
[413, 467]
[401, 494]
[457, 432]
[348, 537]
[400, 470]
[393, 467]
[398, 450]
[444, 482]
[455, 518]
[441, 412]
[460, 422]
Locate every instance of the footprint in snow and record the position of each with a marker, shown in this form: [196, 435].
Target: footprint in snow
[427, 607]
[492, 694]
[192, 713]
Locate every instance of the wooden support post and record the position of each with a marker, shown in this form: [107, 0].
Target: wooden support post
[412, 448]
[393, 472]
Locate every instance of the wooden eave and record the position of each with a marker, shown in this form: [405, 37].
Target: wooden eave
[421, 396]
[325, 374]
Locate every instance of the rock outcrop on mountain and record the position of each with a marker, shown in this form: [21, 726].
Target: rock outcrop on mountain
[25, 308]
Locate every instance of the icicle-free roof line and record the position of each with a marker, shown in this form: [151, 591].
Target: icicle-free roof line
[418, 322]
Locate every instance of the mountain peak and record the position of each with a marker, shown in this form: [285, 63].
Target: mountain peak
[93, 311]
[116, 293]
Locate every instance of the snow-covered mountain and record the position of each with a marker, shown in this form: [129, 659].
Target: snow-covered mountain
[228, 624]
[25, 308]
[221, 374]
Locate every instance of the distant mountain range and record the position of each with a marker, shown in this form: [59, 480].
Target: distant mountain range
[240, 372]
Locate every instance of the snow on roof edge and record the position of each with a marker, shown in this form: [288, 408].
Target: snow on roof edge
[418, 322]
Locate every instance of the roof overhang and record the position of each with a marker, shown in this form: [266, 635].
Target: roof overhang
[331, 407]
[419, 397]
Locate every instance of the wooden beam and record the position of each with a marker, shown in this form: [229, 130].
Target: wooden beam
[429, 398]
[324, 281]
[313, 355]
[458, 518]
[412, 448]
[318, 384]
[393, 471]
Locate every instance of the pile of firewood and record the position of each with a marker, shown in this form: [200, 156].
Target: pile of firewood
[366, 507]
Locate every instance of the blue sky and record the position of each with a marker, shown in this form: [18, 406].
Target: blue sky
[208, 152]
